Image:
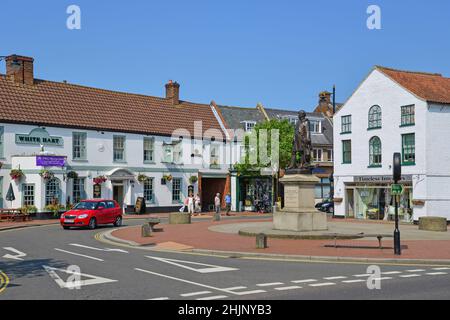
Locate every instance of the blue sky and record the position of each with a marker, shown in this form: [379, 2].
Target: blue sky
[236, 52]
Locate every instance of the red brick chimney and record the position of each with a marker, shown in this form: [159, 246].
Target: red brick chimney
[173, 92]
[20, 69]
[325, 105]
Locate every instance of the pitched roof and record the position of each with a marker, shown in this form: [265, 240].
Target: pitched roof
[431, 87]
[57, 104]
[235, 116]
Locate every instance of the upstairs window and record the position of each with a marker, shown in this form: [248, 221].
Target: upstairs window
[315, 126]
[347, 152]
[409, 149]
[249, 125]
[79, 146]
[119, 148]
[214, 156]
[375, 152]
[408, 115]
[346, 124]
[317, 155]
[149, 144]
[375, 117]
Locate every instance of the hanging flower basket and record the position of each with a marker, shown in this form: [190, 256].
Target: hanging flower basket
[100, 180]
[72, 175]
[142, 178]
[193, 179]
[16, 174]
[168, 177]
[419, 203]
[46, 174]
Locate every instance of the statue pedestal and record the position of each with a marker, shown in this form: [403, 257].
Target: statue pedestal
[299, 212]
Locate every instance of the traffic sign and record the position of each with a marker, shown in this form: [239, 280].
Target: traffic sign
[397, 189]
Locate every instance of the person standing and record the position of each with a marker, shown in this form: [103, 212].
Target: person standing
[197, 202]
[228, 203]
[217, 207]
[191, 204]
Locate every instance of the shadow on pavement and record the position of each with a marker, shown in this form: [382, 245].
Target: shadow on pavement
[30, 268]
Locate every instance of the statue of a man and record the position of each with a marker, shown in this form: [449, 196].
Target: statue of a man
[302, 144]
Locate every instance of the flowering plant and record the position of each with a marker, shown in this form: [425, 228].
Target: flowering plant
[168, 177]
[193, 179]
[142, 178]
[46, 174]
[100, 180]
[16, 174]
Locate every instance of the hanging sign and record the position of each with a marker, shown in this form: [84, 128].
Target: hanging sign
[50, 161]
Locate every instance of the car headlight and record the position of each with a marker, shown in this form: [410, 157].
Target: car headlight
[83, 216]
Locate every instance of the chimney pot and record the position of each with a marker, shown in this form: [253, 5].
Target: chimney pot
[19, 69]
[173, 92]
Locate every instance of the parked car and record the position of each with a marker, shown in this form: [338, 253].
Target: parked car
[91, 213]
[326, 206]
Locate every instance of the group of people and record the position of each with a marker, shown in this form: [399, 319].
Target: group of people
[193, 204]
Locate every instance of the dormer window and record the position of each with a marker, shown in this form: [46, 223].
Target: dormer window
[315, 126]
[249, 125]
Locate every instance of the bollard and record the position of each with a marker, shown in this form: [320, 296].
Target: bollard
[146, 231]
[261, 241]
[217, 216]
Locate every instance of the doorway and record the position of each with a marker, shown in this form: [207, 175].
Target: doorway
[118, 194]
[350, 203]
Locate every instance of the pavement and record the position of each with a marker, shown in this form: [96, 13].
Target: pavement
[222, 237]
[40, 263]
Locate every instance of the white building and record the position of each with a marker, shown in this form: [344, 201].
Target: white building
[76, 134]
[394, 111]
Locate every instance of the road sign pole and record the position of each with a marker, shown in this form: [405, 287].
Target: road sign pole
[397, 176]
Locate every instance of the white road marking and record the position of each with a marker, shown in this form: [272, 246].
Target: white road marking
[78, 254]
[410, 276]
[193, 294]
[19, 255]
[244, 293]
[159, 299]
[391, 272]
[335, 278]
[354, 281]
[304, 281]
[362, 275]
[98, 249]
[382, 278]
[71, 284]
[270, 284]
[322, 284]
[288, 288]
[235, 288]
[213, 298]
[416, 270]
[436, 273]
[182, 264]
[440, 269]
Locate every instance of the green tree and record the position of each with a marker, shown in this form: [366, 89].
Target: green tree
[286, 137]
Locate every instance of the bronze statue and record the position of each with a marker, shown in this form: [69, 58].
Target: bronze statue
[302, 144]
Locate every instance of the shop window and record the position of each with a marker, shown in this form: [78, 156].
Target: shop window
[409, 149]
[148, 190]
[52, 192]
[375, 152]
[346, 124]
[2, 147]
[408, 115]
[149, 145]
[79, 146]
[176, 190]
[119, 148]
[78, 190]
[323, 189]
[347, 152]
[28, 194]
[375, 117]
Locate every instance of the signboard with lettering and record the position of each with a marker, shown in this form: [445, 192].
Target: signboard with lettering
[39, 136]
[381, 179]
[50, 161]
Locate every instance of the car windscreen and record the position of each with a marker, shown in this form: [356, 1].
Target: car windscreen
[86, 206]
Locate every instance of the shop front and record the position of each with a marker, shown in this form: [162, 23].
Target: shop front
[255, 193]
[370, 198]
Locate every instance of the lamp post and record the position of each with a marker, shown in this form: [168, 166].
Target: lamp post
[397, 177]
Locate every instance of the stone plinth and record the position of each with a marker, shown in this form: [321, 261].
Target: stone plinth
[299, 212]
[433, 224]
[179, 218]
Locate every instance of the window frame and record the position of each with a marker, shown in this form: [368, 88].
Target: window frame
[404, 153]
[177, 193]
[410, 115]
[316, 151]
[149, 190]
[316, 126]
[83, 148]
[375, 118]
[246, 125]
[375, 145]
[123, 149]
[150, 150]
[346, 127]
[344, 151]
[25, 194]
[47, 199]
[81, 191]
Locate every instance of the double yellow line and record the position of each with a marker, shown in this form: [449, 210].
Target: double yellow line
[4, 281]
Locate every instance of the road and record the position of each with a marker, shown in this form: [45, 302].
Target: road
[35, 261]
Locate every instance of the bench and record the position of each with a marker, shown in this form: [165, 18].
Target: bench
[379, 237]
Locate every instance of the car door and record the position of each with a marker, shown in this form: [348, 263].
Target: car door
[112, 212]
[102, 214]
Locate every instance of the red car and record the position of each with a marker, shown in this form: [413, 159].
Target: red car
[91, 213]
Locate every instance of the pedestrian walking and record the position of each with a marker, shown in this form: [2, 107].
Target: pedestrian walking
[228, 203]
[217, 203]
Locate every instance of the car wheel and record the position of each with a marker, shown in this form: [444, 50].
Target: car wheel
[118, 222]
[92, 224]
